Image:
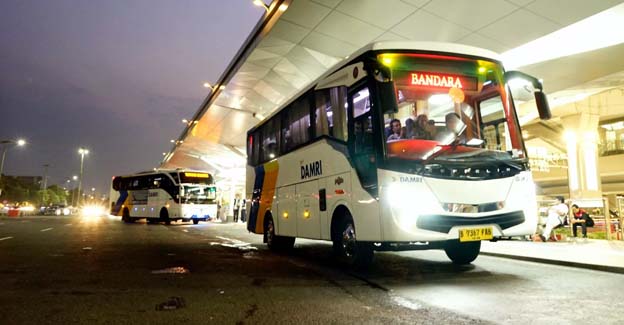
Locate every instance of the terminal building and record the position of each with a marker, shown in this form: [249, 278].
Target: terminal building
[576, 53]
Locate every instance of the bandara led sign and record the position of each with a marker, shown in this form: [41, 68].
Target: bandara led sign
[426, 79]
[436, 80]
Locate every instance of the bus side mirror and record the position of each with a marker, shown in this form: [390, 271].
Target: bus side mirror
[542, 105]
[522, 85]
[387, 98]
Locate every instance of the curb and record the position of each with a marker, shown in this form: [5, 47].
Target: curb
[595, 267]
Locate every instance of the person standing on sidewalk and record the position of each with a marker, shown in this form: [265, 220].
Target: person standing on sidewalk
[556, 215]
[580, 219]
[237, 205]
[243, 210]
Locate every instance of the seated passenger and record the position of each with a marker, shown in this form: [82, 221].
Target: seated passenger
[396, 132]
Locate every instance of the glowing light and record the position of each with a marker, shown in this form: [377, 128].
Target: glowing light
[306, 214]
[21, 142]
[283, 7]
[261, 3]
[595, 32]
[482, 69]
[285, 214]
[207, 85]
[440, 99]
[196, 175]
[93, 210]
[387, 61]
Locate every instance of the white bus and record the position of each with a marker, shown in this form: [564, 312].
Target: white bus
[328, 165]
[164, 196]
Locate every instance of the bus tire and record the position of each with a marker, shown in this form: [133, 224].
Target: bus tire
[462, 253]
[347, 248]
[125, 216]
[195, 221]
[164, 216]
[273, 241]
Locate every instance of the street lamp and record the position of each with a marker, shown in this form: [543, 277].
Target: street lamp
[6, 144]
[82, 152]
[261, 3]
[213, 88]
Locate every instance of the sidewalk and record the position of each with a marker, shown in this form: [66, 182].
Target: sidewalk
[593, 254]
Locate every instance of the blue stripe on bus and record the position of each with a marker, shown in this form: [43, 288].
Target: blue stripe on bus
[255, 199]
[123, 194]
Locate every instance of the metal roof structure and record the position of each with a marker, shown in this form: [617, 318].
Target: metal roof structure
[297, 41]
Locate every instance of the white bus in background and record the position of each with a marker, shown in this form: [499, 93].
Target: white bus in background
[325, 166]
[164, 196]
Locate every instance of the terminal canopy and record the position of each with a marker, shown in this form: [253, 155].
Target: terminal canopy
[297, 41]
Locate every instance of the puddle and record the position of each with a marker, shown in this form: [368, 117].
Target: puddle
[234, 243]
[251, 255]
[172, 270]
[407, 303]
[172, 303]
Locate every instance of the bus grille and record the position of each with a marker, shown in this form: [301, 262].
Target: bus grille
[470, 173]
[443, 224]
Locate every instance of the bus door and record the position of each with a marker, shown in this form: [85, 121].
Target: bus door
[362, 144]
[308, 212]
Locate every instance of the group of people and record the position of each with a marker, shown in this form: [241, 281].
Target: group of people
[239, 208]
[558, 217]
[423, 128]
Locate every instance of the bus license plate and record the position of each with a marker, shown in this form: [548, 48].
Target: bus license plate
[475, 234]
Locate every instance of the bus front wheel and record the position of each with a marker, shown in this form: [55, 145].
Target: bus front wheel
[346, 246]
[462, 253]
[273, 241]
[195, 221]
[164, 216]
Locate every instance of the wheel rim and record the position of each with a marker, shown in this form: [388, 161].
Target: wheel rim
[270, 232]
[348, 240]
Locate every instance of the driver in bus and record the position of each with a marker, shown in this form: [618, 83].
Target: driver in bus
[453, 131]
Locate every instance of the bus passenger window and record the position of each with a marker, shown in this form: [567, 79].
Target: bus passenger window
[331, 112]
[295, 124]
[269, 139]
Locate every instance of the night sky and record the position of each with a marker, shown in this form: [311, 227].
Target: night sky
[115, 76]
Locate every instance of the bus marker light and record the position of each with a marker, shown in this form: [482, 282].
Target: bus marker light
[339, 191]
[285, 215]
[306, 214]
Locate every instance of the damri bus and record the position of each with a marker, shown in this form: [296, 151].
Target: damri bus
[452, 172]
[164, 196]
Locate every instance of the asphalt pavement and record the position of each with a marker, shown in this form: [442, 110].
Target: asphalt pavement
[63, 270]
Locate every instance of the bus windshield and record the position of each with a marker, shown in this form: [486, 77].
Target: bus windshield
[449, 108]
[198, 194]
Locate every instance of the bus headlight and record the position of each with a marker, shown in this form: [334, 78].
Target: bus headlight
[407, 202]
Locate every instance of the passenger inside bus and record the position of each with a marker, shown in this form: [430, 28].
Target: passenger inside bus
[396, 132]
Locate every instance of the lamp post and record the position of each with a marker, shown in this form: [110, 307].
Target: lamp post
[5, 147]
[82, 152]
[6, 144]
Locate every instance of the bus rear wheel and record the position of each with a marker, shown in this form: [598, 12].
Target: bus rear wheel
[347, 248]
[273, 241]
[462, 253]
[195, 221]
[164, 216]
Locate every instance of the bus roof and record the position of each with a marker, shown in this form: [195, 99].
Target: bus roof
[435, 47]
